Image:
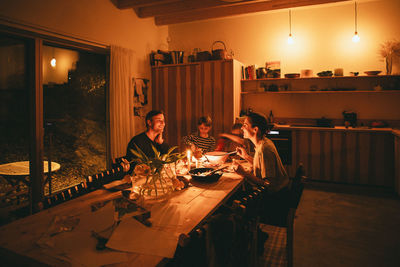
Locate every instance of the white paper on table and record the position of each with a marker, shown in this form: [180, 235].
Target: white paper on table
[80, 247]
[132, 236]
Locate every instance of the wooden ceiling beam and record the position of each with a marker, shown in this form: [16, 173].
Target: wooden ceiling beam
[225, 11]
[125, 4]
[187, 5]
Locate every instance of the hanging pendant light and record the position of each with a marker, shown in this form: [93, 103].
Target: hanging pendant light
[355, 38]
[290, 38]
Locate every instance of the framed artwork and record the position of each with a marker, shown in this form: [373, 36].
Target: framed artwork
[140, 96]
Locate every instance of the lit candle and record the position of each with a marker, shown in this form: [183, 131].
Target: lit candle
[189, 159]
[197, 163]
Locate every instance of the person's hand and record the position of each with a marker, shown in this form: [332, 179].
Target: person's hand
[239, 169]
[125, 165]
[198, 153]
[241, 152]
[159, 139]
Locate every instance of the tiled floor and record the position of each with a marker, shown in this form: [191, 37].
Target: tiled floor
[344, 225]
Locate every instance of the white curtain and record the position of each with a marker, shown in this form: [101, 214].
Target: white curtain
[122, 126]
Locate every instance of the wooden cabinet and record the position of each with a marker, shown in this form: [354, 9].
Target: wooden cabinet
[354, 157]
[397, 161]
[188, 91]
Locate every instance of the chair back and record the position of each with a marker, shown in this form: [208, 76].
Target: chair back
[297, 187]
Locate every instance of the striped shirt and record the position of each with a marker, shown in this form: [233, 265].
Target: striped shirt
[206, 144]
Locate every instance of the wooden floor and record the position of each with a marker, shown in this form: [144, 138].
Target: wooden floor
[344, 225]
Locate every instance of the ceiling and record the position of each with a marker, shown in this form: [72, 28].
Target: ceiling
[167, 12]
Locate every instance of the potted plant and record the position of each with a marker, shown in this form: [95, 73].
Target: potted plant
[158, 173]
[389, 50]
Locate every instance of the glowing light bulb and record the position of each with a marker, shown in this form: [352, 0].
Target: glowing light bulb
[53, 62]
[290, 39]
[356, 38]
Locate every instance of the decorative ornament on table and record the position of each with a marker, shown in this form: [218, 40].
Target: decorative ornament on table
[390, 50]
[158, 173]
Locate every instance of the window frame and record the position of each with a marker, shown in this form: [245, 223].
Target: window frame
[34, 73]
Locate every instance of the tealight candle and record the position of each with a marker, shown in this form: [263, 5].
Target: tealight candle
[189, 157]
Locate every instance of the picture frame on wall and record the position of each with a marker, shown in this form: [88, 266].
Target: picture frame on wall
[140, 96]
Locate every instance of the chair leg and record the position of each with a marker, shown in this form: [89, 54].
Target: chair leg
[289, 238]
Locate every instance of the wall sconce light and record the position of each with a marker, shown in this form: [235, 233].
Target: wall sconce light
[53, 61]
[355, 38]
[290, 38]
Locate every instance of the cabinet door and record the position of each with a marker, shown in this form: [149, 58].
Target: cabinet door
[187, 92]
[397, 163]
[346, 157]
[176, 91]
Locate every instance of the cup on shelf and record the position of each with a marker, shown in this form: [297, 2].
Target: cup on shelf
[306, 73]
[338, 72]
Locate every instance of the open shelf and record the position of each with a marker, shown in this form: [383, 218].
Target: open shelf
[314, 78]
[321, 92]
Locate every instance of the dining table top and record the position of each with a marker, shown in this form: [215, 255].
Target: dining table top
[38, 237]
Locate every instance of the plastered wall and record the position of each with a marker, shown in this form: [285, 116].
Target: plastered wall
[322, 41]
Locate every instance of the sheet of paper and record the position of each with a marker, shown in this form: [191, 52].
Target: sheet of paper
[80, 247]
[132, 236]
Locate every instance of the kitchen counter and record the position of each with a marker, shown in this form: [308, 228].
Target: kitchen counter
[360, 155]
[337, 128]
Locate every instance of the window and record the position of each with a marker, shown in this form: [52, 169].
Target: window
[74, 89]
[64, 102]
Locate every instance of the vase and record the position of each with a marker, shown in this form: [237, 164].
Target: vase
[156, 186]
[388, 61]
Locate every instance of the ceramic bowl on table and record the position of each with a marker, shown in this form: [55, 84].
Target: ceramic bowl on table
[217, 157]
[372, 72]
[292, 75]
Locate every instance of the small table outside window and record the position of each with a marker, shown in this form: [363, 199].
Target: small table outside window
[19, 171]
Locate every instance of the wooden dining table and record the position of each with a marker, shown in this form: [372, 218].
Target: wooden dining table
[35, 239]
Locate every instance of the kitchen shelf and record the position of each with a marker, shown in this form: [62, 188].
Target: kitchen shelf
[320, 92]
[333, 84]
[317, 78]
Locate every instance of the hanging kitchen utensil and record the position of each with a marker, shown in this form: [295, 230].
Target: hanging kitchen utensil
[218, 54]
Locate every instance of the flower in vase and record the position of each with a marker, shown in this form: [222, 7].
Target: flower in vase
[158, 178]
[388, 51]
[142, 170]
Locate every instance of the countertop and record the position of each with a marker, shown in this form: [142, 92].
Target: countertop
[337, 128]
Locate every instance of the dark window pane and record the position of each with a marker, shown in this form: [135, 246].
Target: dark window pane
[74, 113]
[14, 108]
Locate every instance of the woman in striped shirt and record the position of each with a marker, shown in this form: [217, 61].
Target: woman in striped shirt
[201, 141]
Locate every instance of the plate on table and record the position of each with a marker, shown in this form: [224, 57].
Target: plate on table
[202, 175]
[372, 72]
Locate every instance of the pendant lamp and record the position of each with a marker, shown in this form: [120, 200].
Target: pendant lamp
[356, 38]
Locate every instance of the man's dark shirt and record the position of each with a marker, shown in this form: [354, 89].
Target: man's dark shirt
[144, 143]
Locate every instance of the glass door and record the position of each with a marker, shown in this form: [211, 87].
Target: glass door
[74, 110]
[14, 122]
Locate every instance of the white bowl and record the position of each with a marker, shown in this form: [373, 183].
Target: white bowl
[217, 157]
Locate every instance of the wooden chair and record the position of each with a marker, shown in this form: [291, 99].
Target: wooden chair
[281, 235]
